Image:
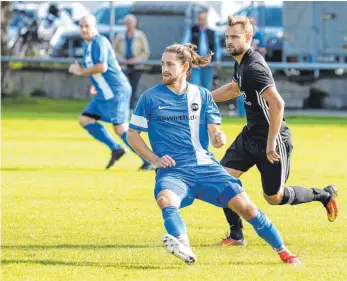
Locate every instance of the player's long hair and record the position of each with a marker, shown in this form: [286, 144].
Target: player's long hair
[188, 53]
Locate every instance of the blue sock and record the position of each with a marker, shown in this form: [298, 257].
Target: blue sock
[100, 133]
[173, 221]
[266, 230]
[124, 138]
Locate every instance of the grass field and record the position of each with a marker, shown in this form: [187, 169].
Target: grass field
[65, 218]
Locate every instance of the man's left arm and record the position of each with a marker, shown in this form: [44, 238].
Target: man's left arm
[217, 137]
[144, 53]
[264, 85]
[213, 119]
[276, 109]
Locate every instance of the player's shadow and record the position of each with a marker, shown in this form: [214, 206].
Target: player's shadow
[123, 264]
[58, 169]
[79, 246]
[248, 263]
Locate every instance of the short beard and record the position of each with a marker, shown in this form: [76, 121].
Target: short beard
[236, 52]
[169, 81]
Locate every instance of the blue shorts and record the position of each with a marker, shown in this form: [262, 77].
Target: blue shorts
[209, 183]
[114, 110]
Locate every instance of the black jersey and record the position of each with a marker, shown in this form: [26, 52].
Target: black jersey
[253, 77]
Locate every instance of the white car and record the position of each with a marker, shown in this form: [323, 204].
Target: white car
[69, 14]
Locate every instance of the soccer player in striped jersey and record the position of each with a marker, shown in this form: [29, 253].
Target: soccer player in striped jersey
[111, 90]
[181, 119]
[266, 139]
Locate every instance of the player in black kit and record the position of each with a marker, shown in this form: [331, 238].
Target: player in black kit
[266, 139]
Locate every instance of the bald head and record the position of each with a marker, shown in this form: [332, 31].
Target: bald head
[88, 27]
[130, 22]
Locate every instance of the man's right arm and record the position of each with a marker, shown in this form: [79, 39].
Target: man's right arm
[117, 48]
[226, 92]
[138, 144]
[187, 37]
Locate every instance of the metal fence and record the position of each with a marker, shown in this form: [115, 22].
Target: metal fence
[315, 67]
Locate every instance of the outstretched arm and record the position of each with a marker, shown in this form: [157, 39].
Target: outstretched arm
[226, 92]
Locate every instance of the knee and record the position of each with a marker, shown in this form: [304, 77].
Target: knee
[273, 199]
[120, 129]
[243, 206]
[248, 212]
[84, 120]
[163, 202]
[234, 173]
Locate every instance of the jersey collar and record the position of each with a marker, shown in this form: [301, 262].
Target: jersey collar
[246, 55]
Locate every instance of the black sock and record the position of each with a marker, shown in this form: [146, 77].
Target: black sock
[235, 224]
[294, 195]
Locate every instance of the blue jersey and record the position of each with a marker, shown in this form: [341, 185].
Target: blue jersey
[177, 124]
[99, 50]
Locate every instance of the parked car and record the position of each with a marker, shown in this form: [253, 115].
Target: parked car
[76, 10]
[121, 9]
[269, 24]
[67, 41]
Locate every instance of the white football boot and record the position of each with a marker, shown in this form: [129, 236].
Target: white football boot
[178, 249]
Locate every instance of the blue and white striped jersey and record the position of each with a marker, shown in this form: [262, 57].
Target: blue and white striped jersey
[177, 124]
[109, 83]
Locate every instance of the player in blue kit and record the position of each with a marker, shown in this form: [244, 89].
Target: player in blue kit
[181, 119]
[111, 88]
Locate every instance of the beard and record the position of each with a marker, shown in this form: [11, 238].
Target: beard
[235, 51]
[168, 79]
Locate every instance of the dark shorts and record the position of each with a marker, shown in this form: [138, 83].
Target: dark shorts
[244, 153]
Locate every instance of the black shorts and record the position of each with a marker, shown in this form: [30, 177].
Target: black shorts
[244, 153]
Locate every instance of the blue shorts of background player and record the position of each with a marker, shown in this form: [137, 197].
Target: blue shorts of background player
[115, 111]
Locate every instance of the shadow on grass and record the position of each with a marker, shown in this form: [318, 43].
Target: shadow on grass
[79, 246]
[124, 265]
[131, 265]
[58, 169]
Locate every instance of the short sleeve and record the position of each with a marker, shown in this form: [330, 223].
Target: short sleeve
[100, 51]
[140, 116]
[261, 77]
[213, 115]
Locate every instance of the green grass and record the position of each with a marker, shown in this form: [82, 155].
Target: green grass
[65, 218]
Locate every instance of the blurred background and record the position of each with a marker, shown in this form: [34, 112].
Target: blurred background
[305, 44]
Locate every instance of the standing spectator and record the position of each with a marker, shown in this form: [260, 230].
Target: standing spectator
[206, 40]
[258, 43]
[132, 47]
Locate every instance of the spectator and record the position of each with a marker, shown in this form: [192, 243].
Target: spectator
[132, 47]
[257, 40]
[205, 39]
